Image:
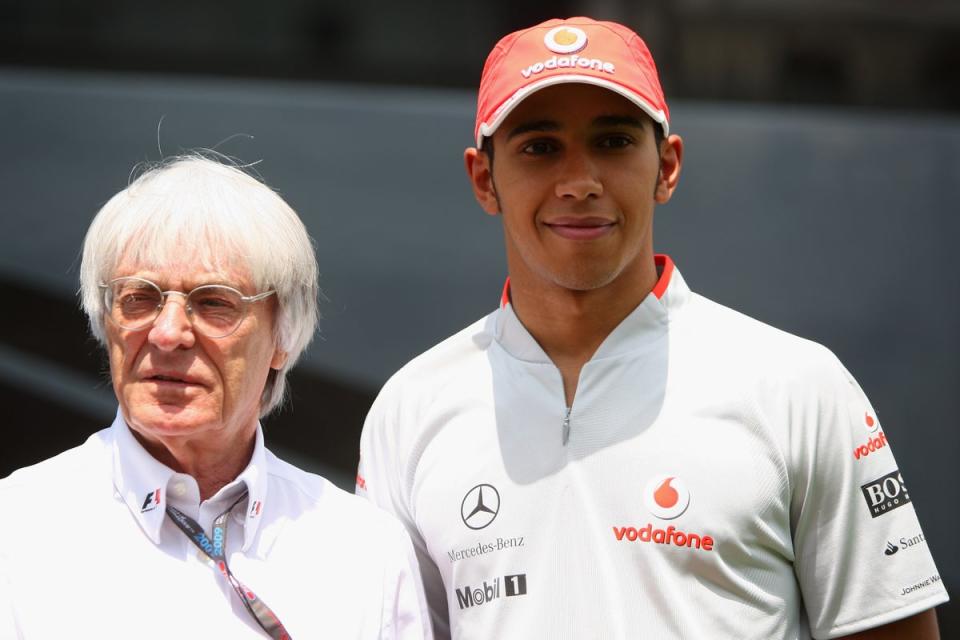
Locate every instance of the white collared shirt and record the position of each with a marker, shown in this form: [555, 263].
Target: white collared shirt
[714, 478]
[86, 550]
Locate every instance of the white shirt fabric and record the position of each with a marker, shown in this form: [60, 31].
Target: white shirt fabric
[714, 478]
[87, 551]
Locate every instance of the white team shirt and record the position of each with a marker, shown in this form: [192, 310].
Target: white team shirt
[87, 551]
[714, 478]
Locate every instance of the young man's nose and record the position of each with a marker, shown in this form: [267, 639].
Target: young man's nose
[578, 178]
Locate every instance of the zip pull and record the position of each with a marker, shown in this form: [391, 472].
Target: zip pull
[566, 426]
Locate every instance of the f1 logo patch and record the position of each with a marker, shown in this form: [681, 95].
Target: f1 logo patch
[151, 502]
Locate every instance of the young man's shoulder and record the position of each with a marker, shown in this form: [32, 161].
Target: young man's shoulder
[717, 335]
[749, 357]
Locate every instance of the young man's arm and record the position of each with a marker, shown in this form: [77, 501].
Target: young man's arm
[851, 511]
[922, 626]
[381, 478]
[8, 618]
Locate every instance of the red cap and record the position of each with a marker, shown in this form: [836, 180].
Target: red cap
[605, 54]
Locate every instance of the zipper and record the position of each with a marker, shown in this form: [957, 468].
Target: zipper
[566, 426]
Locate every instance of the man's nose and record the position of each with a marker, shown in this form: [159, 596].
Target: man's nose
[172, 329]
[579, 178]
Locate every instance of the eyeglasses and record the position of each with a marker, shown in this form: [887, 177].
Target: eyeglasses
[215, 310]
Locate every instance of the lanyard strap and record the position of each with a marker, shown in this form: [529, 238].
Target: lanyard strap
[216, 551]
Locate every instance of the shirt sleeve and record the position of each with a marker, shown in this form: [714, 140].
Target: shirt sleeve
[861, 557]
[405, 612]
[384, 477]
[8, 620]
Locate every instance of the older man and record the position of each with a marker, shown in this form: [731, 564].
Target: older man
[176, 521]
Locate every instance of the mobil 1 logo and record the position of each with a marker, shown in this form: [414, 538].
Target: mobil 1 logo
[472, 596]
[885, 494]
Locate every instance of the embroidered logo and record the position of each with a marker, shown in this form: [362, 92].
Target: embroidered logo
[565, 39]
[151, 502]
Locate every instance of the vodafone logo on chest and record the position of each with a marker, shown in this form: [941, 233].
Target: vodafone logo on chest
[666, 497]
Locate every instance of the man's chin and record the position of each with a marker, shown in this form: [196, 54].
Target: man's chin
[159, 420]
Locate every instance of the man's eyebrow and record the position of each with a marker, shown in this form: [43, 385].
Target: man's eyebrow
[617, 121]
[536, 125]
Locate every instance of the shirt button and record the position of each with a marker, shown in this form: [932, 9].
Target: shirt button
[179, 489]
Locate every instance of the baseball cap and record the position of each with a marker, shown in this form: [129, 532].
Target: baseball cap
[605, 54]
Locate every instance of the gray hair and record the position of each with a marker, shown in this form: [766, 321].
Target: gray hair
[196, 209]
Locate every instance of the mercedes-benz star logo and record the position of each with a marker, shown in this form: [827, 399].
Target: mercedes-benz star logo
[480, 506]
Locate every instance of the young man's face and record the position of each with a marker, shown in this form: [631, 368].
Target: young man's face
[576, 173]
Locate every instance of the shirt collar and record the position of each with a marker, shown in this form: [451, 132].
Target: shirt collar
[255, 479]
[649, 321]
[142, 481]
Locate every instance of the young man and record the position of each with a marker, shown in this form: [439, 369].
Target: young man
[609, 454]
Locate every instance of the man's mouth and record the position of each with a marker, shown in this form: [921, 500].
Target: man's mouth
[166, 378]
[573, 228]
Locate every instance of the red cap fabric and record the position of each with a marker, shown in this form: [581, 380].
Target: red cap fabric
[605, 54]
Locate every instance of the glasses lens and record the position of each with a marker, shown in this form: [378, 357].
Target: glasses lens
[133, 302]
[217, 310]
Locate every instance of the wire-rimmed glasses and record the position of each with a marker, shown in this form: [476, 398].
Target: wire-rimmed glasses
[214, 310]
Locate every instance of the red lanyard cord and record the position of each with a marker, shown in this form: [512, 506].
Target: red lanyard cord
[216, 550]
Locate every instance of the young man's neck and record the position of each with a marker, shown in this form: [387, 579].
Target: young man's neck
[570, 325]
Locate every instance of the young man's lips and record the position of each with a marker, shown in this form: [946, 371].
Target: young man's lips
[580, 228]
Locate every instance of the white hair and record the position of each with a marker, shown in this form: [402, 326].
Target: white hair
[198, 210]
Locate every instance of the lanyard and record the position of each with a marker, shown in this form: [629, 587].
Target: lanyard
[215, 550]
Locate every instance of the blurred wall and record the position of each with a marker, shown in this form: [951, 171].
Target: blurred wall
[855, 52]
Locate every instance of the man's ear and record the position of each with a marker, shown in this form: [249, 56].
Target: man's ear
[480, 174]
[279, 358]
[671, 159]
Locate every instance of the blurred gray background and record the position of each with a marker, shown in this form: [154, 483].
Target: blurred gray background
[819, 191]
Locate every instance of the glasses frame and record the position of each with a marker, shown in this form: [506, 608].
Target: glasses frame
[246, 301]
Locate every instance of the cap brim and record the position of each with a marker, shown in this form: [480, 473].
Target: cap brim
[487, 129]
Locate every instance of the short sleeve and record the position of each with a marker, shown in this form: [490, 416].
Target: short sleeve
[861, 557]
[8, 620]
[405, 612]
[383, 478]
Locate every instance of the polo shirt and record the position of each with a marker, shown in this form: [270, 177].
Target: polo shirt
[86, 550]
[714, 478]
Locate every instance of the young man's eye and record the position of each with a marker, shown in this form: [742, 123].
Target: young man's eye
[538, 147]
[615, 141]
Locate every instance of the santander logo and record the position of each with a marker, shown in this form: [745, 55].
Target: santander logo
[667, 498]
